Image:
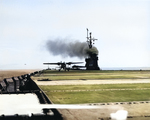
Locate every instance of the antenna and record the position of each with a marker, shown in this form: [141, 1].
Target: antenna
[87, 34]
[90, 40]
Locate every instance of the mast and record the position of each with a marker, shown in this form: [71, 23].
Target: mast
[90, 40]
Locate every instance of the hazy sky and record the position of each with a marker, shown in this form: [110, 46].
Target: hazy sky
[122, 28]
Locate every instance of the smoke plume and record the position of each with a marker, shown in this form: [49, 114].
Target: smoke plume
[70, 49]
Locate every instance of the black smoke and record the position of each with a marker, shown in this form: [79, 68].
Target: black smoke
[70, 49]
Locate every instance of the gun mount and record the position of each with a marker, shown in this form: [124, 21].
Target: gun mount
[22, 99]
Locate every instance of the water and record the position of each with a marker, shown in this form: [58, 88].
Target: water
[125, 68]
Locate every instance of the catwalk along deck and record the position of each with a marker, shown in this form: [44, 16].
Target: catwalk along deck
[22, 99]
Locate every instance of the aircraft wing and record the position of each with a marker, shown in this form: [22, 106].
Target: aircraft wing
[76, 66]
[52, 63]
[69, 63]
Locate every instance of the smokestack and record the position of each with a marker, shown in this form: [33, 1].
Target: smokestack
[70, 49]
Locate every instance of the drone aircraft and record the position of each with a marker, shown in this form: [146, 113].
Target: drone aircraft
[63, 65]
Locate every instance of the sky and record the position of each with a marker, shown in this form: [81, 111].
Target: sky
[121, 26]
